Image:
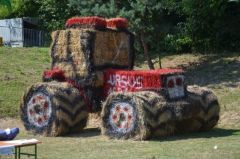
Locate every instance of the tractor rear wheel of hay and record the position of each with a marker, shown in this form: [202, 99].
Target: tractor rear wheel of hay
[120, 117]
[209, 107]
[53, 109]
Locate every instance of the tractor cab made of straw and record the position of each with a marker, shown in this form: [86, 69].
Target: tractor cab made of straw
[92, 71]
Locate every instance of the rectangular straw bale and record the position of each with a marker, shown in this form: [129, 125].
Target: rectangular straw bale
[111, 47]
[61, 52]
[87, 50]
[67, 53]
[62, 38]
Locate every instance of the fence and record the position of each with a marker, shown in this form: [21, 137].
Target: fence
[15, 36]
[33, 37]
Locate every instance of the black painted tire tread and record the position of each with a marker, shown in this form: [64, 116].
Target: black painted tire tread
[70, 112]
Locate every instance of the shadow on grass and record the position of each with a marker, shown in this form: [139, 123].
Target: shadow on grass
[88, 132]
[211, 69]
[215, 69]
[214, 133]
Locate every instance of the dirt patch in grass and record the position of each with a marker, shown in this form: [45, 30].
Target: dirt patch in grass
[10, 122]
[230, 120]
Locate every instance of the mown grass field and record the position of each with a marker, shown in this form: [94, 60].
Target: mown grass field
[21, 67]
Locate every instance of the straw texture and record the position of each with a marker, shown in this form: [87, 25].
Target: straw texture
[80, 53]
[68, 110]
[159, 116]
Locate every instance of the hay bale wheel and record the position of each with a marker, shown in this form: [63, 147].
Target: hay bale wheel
[53, 109]
[160, 114]
[147, 114]
[208, 115]
[135, 115]
[121, 117]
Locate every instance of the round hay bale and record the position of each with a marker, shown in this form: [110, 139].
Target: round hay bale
[53, 109]
[122, 117]
[158, 112]
[209, 106]
[133, 115]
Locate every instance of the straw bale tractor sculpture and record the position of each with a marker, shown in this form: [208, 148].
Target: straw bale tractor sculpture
[92, 62]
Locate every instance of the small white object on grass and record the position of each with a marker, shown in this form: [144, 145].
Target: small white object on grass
[215, 147]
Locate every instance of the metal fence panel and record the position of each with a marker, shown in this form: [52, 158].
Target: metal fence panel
[33, 37]
[19, 37]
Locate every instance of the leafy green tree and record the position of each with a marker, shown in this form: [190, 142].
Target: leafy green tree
[9, 8]
[54, 13]
[213, 24]
[6, 3]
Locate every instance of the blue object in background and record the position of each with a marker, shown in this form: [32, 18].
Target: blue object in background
[8, 134]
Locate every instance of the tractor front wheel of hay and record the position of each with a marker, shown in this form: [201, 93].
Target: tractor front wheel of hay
[209, 107]
[53, 109]
[120, 117]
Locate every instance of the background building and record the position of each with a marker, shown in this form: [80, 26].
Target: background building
[21, 32]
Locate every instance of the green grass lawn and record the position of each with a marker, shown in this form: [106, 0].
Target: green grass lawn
[21, 67]
[198, 145]
[220, 143]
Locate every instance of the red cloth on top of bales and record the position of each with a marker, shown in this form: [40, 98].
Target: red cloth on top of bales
[121, 23]
[93, 21]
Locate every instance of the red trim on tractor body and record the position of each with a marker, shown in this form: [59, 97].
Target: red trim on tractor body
[121, 81]
[55, 74]
[137, 80]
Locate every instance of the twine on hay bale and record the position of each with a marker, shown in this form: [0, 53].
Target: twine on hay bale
[153, 115]
[53, 109]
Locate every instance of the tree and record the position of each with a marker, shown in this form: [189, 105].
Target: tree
[9, 8]
[54, 13]
[6, 3]
[213, 24]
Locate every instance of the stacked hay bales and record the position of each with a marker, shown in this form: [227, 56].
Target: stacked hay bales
[83, 52]
[53, 109]
[69, 51]
[83, 55]
[153, 115]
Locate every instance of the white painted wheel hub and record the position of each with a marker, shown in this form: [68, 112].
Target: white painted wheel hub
[122, 117]
[39, 110]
